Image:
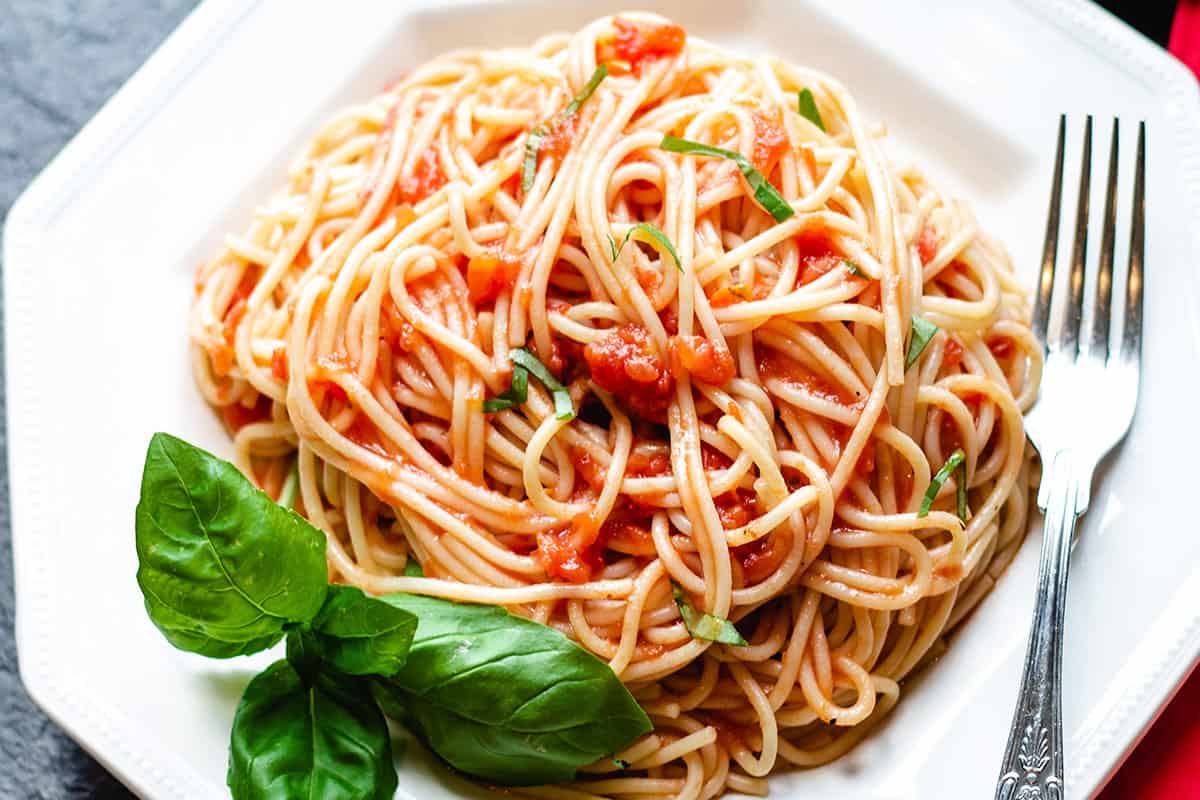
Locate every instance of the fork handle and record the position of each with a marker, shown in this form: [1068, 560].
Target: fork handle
[1033, 761]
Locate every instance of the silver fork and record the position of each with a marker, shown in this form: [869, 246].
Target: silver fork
[1087, 400]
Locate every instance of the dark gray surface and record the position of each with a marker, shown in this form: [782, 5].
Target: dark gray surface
[59, 62]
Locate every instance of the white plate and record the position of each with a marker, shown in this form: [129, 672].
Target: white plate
[100, 253]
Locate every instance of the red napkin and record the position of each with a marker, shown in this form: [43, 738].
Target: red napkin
[1166, 765]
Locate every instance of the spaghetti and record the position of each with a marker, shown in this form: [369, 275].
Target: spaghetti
[622, 329]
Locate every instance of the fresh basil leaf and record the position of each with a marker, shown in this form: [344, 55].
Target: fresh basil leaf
[653, 232]
[412, 568]
[533, 143]
[613, 249]
[588, 89]
[853, 269]
[321, 738]
[956, 459]
[705, 626]
[766, 194]
[361, 635]
[564, 408]
[922, 332]
[223, 569]
[808, 109]
[507, 699]
[516, 394]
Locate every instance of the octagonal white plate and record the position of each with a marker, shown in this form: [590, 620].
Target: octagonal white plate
[101, 249]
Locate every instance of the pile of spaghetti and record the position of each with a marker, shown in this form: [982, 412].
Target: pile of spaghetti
[621, 329]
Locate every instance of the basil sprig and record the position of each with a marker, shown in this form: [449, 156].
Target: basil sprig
[956, 462]
[807, 107]
[533, 142]
[319, 736]
[549, 708]
[648, 229]
[922, 331]
[225, 571]
[705, 626]
[853, 268]
[766, 194]
[525, 364]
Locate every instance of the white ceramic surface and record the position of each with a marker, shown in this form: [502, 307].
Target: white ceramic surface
[99, 256]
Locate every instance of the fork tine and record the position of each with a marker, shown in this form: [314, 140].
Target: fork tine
[1067, 336]
[1098, 341]
[1131, 339]
[1041, 303]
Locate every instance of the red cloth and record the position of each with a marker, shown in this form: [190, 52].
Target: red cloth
[1184, 43]
[1166, 764]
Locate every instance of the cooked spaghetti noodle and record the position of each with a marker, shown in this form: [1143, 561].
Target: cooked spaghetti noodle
[745, 426]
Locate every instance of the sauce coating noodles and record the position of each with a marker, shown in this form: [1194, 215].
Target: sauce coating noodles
[746, 426]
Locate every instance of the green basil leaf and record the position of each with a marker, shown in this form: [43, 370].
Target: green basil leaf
[653, 232]
[766, 194]
[507, 699]
[564, 408]
[853, 269]
[808, 109]
[314, 738]
[533, 143]
[223, 569]
[612, 248]
[362, 635]
[922, 332]
[956, 458]
[516, 393]
[587, 90]
[412, 568]
[705, 626]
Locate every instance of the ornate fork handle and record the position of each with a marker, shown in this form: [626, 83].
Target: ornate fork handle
[1032, 768]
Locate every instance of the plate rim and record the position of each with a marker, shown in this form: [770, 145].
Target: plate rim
[184, 51]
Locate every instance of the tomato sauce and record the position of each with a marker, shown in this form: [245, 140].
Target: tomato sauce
[394, 329]
[952, 355]
[774, 364]
[762, 557]
[817, 256]
[589, 469]
[638, 44]
[364, 434]
[236, 416]
[702, 359]
[770, 141]
[425, 179]
[625, 364]
[1001, 346]
[279, 363]
[735, 508]
[489, 275]
[928, 244]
